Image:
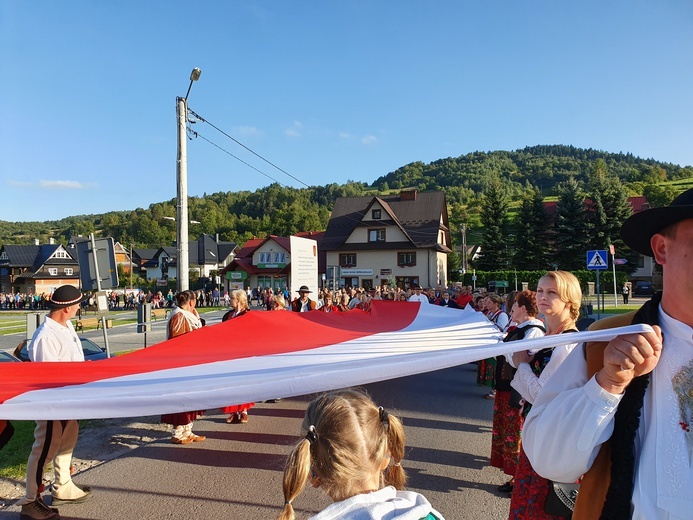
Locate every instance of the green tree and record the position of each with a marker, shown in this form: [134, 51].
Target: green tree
[572, 238]
[494, 218]
[659, 195]
[531, 250]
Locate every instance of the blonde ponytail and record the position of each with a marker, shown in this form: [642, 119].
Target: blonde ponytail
[296, 473]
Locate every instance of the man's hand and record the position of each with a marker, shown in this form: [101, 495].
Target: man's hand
[627, 357]
[522, 357]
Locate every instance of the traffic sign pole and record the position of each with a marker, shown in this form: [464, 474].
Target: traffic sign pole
[612, 250]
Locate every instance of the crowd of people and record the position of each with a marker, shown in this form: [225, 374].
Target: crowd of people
[595, 430]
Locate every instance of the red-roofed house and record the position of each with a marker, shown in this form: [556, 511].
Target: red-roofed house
[266, 262]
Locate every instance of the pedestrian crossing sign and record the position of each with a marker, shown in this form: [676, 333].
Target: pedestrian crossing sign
[597, 260]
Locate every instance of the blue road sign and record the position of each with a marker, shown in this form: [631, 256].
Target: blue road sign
[597, 260]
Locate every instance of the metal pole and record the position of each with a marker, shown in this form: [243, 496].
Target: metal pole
[613, 267]
[464, 248]
[598, 295]
[182, 278]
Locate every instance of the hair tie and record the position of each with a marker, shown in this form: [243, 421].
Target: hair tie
[397, 464]
[382, 414]
[312, 435]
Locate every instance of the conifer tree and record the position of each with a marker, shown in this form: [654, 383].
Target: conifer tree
[531, 239]
[494, 218]
[572, 228]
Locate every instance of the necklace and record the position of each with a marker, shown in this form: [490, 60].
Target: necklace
[683, 386]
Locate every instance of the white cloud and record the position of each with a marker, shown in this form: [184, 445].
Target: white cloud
[248, 131]
[369, 139]
[345, 135]
[62, 185]
[295, 130]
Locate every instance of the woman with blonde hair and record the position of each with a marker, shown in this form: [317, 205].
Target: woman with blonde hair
[278, 302]
[352, 450]
[558, 299]
[238, 413]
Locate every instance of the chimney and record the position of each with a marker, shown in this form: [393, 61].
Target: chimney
[51, 241]
[408, 195]
[36, 242]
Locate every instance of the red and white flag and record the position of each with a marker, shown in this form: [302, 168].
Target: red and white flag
[260, 356]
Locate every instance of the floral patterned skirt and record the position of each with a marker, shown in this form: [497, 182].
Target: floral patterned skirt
[505, 437]
[486, 372]
[529, 493]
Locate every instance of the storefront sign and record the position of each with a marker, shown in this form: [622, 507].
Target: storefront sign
[356, 272]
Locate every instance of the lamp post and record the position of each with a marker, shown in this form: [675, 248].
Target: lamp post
[183, 278]
[463, 229]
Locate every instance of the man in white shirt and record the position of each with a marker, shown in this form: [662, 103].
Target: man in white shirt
[54, 441]
[418, 296]
[621, 413]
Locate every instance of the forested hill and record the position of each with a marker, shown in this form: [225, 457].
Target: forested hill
[541, 166]
[237, 216]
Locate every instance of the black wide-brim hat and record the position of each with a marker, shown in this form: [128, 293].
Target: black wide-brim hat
[638, 229]
[64, 296]
[304, 288]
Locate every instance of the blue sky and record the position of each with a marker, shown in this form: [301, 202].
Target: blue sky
[327, 91]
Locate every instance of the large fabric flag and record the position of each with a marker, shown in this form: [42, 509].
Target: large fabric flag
[260, 356]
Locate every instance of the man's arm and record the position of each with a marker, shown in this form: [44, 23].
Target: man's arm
[569, 421]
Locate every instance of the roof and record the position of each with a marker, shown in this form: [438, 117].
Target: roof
[637, 204]
[203, 251]
[418, 216]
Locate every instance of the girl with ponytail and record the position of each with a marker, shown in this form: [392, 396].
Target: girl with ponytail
[352, 450]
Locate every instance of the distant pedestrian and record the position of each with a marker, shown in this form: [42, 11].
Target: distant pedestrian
[625, 292]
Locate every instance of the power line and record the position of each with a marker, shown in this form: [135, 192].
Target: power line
[197, 134]
[200, 118]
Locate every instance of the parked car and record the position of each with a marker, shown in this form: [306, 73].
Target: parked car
[92, 352]
[7, 357]
[642, 288]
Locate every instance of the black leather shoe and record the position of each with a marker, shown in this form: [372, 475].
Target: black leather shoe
[506, 488]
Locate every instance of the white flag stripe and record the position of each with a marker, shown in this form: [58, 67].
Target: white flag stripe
[378, 357]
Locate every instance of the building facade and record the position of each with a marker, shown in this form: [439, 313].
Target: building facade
[401, 239]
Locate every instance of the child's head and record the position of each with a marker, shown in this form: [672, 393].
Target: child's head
[350, 446]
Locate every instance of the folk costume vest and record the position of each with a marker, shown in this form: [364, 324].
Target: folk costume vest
[606, 490]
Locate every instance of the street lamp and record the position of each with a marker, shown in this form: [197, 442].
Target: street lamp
[463, 229]
[182, 280]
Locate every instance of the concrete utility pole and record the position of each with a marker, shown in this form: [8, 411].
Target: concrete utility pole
[182, 272]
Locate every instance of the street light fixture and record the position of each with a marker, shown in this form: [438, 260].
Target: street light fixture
[183, 278]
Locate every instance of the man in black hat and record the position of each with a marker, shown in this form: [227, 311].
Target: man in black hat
[54, 441]
[303, 303]
[621, 412]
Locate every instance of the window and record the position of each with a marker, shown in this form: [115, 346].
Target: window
[61, 254]
[406, 282]
[265, 258]
[68, 271]
[375, 214]
[279, 258]
[53, 271]
[406, 259]
[347, 260]
[376, 235]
